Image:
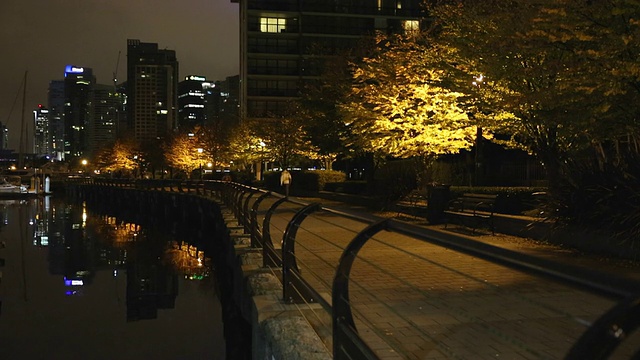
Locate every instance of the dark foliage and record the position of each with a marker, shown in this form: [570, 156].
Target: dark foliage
[602, 197]
[395, 180]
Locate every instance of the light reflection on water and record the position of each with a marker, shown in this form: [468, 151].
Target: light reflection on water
[77, 285]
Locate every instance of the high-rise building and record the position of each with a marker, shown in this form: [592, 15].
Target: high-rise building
[41, 135]
[56, 118]
[102, 130]
[283, 43]
[191, 100]
[4, 137]
[78, 88]
[152, 82]
[229, 92]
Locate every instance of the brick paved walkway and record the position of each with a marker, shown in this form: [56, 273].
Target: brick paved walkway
[415, 300]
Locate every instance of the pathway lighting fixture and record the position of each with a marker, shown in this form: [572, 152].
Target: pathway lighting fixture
[200, 152]
[262, 162]
[477, 82]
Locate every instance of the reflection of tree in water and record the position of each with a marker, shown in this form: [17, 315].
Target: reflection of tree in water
[154, 260]
[188, 259]
[181, 256]
[113, 231]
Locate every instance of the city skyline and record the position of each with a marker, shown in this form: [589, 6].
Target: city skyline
[44, 37]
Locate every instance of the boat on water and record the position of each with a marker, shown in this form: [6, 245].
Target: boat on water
[11, 187]
[8, 188]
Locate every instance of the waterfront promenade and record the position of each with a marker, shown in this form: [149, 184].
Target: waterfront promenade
[416, 300]
[415, 292]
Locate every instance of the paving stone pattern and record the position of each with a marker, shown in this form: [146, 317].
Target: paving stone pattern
[414, 300]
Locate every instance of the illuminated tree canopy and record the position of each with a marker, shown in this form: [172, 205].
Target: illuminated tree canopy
[244, 146]
[118, 158]
[182, 153]
[567, 71]
[400, 103]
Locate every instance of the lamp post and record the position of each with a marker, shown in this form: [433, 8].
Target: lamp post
[262, 145]
[478, 160]
[200, 151]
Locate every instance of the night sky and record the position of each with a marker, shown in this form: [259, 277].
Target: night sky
[42, 36]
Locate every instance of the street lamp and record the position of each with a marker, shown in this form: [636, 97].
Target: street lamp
[477, 82]
[262, 146]
[84, 163]
[200, 151]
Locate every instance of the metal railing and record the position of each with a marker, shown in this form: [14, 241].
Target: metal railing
[616, 318]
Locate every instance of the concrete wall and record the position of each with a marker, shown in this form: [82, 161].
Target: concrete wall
[280, 331]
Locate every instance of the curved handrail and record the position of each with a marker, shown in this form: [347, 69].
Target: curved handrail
[256, 233]
[606, 333]
[345, 339]
[291, 279]
[270, 257]
[600, 340]
[246, 217]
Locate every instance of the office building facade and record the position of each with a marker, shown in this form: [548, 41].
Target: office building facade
[56, 118]
[227, 100]
[4, 137]
[192, 102]
[42, 145]
[152, 84]
[107, 105]
[283, 43]
[78, 109]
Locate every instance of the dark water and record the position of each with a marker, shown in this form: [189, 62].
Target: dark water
[80, 285]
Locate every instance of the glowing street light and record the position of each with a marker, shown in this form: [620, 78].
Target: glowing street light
[478, 81]
[200, 152]
[262, 162]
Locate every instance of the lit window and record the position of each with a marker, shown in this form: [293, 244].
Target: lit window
[272, 25]
[411, 26]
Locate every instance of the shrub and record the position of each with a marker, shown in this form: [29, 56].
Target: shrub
[395, 180]
[356, 187]
[605, 198]
[303, 182]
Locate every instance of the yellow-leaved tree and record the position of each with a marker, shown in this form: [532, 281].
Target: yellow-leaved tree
[118, 159]
[402, 105]
[184, 152]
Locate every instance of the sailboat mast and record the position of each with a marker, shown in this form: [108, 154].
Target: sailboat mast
[21, 150]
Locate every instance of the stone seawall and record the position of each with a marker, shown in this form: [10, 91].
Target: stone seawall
[251, 296]
[279, 331]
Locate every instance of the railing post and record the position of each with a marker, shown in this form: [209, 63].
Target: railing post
[347, 344]
[294, 290]
[256, 237]
[606, 333]
[246, 214]
[237, 201]
[270, 258]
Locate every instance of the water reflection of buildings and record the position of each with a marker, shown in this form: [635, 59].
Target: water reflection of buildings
[80, 245]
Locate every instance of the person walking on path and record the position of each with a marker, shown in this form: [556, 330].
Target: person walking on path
[285, 180]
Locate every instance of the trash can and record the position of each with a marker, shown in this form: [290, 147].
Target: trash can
[437, 198]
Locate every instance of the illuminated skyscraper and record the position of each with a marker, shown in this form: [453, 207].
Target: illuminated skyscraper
[192, 104]
[56, 118]
[4, 137]
[102, 129]
[78, 88]
[152, 83]
[283, 43]
[41, 134]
